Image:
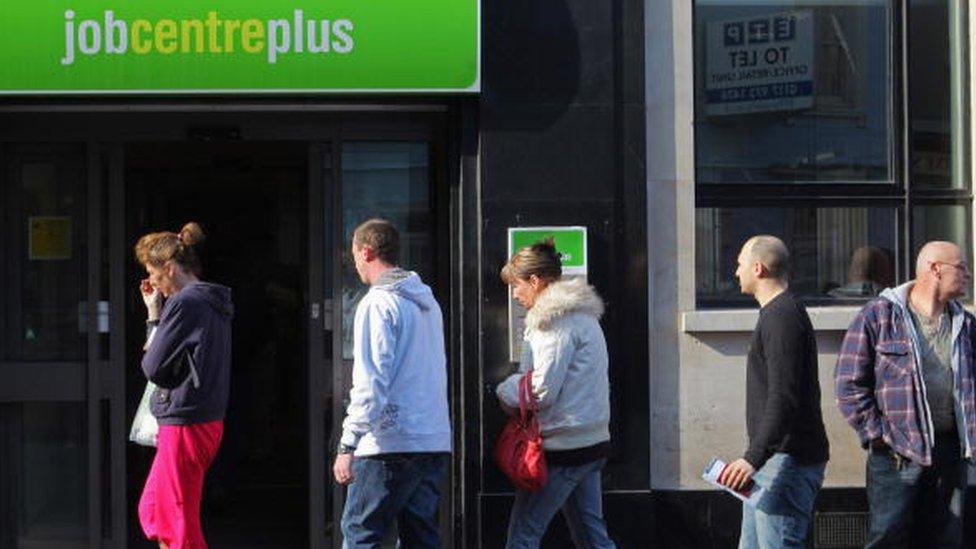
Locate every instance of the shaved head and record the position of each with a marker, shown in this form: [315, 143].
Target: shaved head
[941, 274]
[937, 251]
[771, 252]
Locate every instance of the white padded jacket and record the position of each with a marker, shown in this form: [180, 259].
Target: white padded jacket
[565, 348]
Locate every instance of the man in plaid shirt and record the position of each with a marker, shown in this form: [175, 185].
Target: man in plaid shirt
[904, 381]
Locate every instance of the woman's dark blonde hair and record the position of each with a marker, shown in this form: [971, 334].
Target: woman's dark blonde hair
[157, 248]
[540, 259]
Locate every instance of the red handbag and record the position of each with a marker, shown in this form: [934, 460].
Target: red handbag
[518, 451]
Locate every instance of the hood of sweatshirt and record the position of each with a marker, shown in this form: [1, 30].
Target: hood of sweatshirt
[899, 296]
[407, 284]
[215, 295]
[561, 298]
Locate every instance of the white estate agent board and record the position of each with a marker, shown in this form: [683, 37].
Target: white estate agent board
[571, 245]
[759, 63]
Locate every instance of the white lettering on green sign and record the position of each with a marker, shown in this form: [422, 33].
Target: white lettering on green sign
[210, 34]
[96, 47]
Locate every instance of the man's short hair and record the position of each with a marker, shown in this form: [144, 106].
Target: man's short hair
[381, 236]
[772, 253]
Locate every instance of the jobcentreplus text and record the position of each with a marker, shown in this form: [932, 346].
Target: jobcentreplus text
[211, 34]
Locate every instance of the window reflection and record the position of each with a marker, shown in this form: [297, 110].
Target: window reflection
[46, 313]
[836, 253]
[43, 481]
[389, 180]
[871, 270]
[937, 69]
[792, 91]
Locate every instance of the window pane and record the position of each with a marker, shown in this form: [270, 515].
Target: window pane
[793, 91]
[941, 222]
[937, 75]
[43, 480]
[389, 180]
[45, 315]
[837, 253]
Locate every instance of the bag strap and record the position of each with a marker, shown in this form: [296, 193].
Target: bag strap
[528, 405]
[194, 376]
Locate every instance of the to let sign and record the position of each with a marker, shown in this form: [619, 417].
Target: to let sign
[760, 63]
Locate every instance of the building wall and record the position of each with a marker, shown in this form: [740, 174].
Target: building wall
[697, 357]
[697, 393]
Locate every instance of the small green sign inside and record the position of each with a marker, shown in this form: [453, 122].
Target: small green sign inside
[570, 243]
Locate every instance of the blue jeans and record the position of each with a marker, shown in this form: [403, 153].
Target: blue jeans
[781, 518]
[574, 489]
[404, 488]
[916, 506]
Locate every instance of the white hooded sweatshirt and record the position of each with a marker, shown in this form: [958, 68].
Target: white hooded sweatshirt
[398, 401]
[565, 347]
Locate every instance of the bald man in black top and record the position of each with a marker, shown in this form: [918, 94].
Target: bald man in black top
[788, 449]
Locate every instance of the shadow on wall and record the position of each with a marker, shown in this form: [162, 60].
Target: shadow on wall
[531, 57]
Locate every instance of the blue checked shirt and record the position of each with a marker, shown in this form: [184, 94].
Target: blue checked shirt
[878, 383]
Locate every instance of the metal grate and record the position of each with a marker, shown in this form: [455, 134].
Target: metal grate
[839, 530]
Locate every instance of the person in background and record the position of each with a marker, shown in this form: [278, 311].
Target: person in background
[188, 357]
[871, 271]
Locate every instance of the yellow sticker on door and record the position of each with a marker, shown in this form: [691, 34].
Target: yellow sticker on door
[49, 238]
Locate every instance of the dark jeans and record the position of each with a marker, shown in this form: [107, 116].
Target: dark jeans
[404, 488]
[916, 506]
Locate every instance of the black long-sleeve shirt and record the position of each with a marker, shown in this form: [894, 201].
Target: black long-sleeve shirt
[782, 387]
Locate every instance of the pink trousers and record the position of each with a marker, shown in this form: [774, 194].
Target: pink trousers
[169, 509]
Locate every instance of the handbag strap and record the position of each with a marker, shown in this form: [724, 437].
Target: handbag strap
[528, 405]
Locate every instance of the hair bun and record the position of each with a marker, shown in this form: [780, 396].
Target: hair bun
[547, 244]
[192, 234]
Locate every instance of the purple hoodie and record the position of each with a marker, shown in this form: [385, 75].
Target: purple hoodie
[189, 356]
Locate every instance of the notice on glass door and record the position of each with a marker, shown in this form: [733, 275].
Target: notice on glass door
[49, 238]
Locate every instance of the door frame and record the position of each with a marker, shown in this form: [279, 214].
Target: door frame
[325, 310]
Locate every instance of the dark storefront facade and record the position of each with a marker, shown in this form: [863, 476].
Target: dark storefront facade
[622, 117]
[550, 133]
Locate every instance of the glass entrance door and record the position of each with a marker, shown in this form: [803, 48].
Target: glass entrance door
[359, 180]
[56, 400]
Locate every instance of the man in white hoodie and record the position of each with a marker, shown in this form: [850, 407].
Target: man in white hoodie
[396, 437]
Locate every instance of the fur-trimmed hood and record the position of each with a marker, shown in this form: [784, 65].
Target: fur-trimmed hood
[561, 298]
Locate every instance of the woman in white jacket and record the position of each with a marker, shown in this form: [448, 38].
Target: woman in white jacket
[567, 353]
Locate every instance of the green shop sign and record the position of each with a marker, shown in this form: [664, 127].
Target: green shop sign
[237, 46]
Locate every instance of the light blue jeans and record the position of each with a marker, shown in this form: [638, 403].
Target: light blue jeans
[578, 492]
[782, 516]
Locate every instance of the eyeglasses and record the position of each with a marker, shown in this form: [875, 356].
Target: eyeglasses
[960, 266]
